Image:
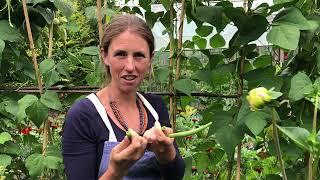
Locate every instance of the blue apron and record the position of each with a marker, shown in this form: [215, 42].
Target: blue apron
[146, 167]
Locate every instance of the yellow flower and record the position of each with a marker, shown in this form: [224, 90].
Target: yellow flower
[189, 110]
[258, 97]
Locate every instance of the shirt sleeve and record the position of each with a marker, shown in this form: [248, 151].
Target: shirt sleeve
[175, 169]
[79, 144]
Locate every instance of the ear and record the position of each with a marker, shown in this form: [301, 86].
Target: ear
[104, 56]
[151, 57]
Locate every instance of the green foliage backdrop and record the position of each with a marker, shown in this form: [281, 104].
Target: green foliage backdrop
[240, 144]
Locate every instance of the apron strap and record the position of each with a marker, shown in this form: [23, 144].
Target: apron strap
[103, 114]
[149, 106]
[101, 110]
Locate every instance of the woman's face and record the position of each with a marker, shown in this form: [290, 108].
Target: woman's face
[129, 60]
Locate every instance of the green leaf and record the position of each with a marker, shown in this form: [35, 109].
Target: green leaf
[166, 4]
[212, 15]
[5, 160]
[301, 86]
[202, 161]
[186, 86]
[46, 13]
[250, 28]
[264, 77]
[52, 162]
[188, 166]
[281, 1]
[34, 164]
[162, 74]
[316, 85]
[51, 78]
[51, 100]
[64, 7]
[285, 36]
[145, 4]
[92, 50]
[229, 137]
[293, 17]
[11, 147]
[298, 135]
[23, 103]
[8, 33]
[204, 31]
[217, 41]
[275, 94]
[152, 17]
[200, 42]
[256, 121]
[46, 65]
[35, 2]
[63, 68]
[92, 79]
[262, 61]
[220, 119]
[2, 46]
[71, 26]
[11, 107]
[37, 113]
[4, 137]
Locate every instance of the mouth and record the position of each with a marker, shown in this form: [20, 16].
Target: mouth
[129, 77]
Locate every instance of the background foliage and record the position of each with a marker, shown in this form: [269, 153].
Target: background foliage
[239, 144]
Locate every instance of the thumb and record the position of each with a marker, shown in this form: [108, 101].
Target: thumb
[167, 130]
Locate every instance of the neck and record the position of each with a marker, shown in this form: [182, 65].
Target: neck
[122, 98]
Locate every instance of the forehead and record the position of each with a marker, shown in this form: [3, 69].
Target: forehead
[129, 40]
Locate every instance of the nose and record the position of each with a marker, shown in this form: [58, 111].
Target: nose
[130, 64]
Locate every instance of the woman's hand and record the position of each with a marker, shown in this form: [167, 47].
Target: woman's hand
[160, 144]
[124, 155]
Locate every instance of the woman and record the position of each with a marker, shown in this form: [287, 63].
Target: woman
[94, 141]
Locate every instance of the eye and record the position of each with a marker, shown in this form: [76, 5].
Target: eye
[139, 55]
[120, 54]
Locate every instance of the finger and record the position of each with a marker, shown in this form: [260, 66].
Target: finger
[167, 131]
[135, 145]
[122, 145]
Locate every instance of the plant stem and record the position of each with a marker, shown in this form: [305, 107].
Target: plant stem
[99, 21]
[314, 131]
[46, 128]
[171, 31]
[180, 39]
[277, 144]
[34, 57]
[230, 165]
[50, 46]
[238, 162]
[240, 92]
[315, 113]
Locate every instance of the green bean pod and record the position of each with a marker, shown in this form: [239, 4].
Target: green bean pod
[129, 134]
[190, 132]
